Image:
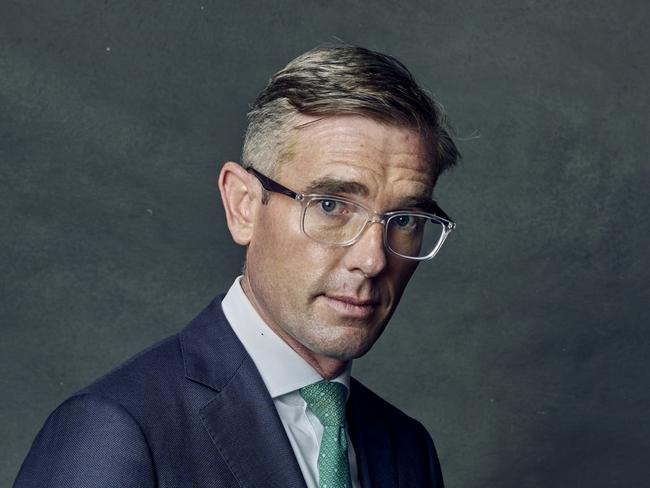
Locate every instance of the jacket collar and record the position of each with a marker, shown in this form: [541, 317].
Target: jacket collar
[212, 353]
[242, 420]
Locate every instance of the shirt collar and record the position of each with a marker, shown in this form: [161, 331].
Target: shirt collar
[282, 369]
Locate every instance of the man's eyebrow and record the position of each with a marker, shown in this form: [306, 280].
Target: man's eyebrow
[327, 185]
[426, 204]
[334, 186]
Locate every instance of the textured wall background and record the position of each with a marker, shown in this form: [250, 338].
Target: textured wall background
[523, 347]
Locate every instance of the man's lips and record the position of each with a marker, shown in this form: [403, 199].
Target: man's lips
[352, 300]
[351, 306]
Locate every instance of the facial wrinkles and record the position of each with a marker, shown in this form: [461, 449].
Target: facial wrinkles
[396, 162]
[377, 156]
[335, 140]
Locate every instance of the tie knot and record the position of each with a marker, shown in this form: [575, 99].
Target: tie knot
[327, 400]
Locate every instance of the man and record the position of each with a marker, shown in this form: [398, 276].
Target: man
[333, 205]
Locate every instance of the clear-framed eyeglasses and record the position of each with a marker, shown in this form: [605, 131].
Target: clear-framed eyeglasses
[339, 221]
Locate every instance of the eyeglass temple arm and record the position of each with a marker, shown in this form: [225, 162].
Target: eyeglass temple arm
[273, 186]
[440, 212]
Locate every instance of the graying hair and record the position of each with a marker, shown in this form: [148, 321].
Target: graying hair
[335, 80]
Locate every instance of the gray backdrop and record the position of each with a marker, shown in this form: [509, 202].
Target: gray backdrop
[522, 347]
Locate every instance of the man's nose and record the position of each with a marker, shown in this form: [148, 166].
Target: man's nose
[368, 254]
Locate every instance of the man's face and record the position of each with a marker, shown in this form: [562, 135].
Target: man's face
[335, 301]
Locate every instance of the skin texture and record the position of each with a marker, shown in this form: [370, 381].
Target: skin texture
[306, 291]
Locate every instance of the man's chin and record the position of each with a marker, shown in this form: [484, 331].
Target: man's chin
[345, 349]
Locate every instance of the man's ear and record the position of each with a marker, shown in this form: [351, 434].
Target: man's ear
[241, 197]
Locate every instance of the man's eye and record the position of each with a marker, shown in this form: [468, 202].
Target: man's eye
[331, 206]
[404, 220]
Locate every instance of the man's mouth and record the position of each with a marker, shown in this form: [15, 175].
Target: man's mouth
[351, 306]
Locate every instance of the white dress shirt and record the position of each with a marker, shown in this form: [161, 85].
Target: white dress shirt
[284, 372]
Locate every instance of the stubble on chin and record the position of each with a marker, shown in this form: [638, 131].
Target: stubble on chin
[344, 340]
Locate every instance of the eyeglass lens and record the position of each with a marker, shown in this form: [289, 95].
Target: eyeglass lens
[335, 222]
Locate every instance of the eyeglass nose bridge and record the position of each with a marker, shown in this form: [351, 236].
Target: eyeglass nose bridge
[376, 218]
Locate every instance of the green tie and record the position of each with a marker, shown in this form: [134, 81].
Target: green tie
[327, 400]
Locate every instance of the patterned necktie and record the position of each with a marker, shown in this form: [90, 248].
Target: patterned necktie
[327, 400]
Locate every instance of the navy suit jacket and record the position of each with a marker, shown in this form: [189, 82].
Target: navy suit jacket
[193, 411]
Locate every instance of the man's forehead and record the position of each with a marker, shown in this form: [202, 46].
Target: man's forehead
[356, 139]
[341, 126]
[358, 157]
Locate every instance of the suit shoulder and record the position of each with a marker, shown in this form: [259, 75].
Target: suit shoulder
[159, 366]
[88, 408]
[88, 440]
[143, 373]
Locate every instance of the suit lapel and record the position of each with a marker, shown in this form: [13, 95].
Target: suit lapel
[371, 440]
[241, 419]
